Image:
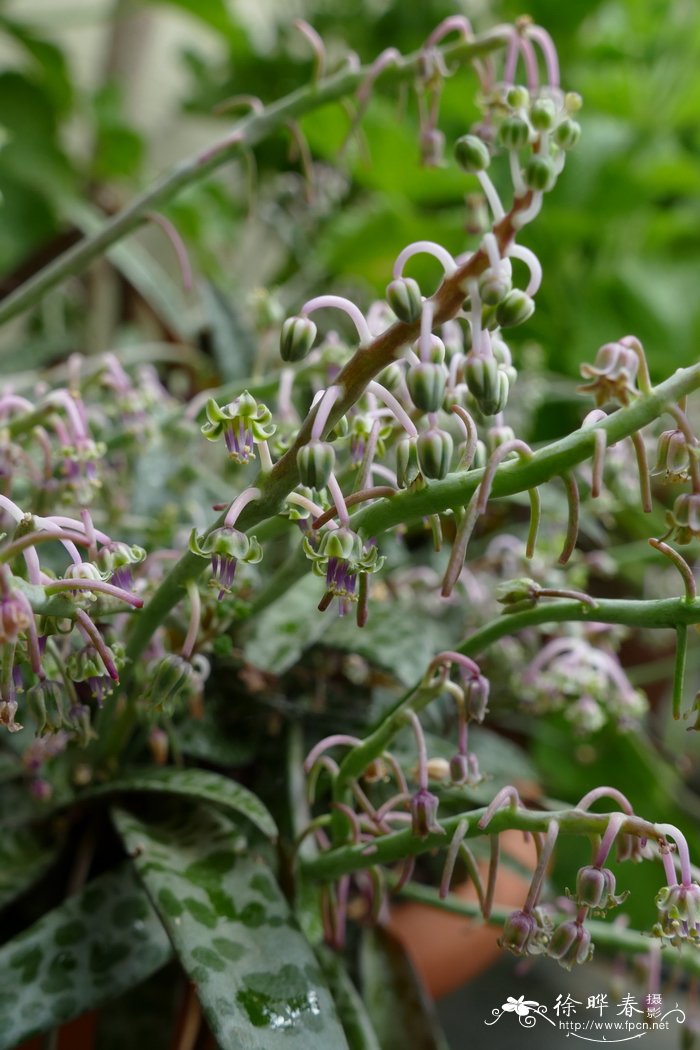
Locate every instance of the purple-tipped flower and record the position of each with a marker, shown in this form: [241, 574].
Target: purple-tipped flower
[476, 696]
[87, 669]
[242, 423]
[116, 559]
[340, 556]
[464, 769]
[684, 518]
[679, 912]
[15, 617]
[673, 456]
[225, 546]
[424, 807]
[570, 944]
[8, 711]
[595, 888]
[526, 932]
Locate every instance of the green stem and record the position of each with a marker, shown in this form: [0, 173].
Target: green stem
[679, 669]
[514, 477]
[398, 845]
[247, 133]
[607, 936]
[667, 612]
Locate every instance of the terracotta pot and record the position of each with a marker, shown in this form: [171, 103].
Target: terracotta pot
[448, 950]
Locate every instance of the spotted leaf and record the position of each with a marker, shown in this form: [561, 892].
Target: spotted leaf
[197, 784]
[256, 975]
[93, 947]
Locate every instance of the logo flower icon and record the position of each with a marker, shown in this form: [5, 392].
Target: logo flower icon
[520, 1006]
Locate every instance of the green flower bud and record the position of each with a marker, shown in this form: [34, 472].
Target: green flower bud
[516, 308]
[518, 97]
[315, 462]
[487, 383]
[435, 449]
[480, 456]
[297, 338]
[514, 133]
[518, 591]
[498, 436]
[391, 377]
[407, 466]
[472, 154]
[567, 134]
[572, 102]
[543, 113]
[456, 395]
[172, 680]
[341, 429]
[404, 297]
[494, 285]
[504, 359]
[426, 384]
[540, 173]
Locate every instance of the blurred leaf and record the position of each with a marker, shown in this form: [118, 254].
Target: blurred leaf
[397, 1003]
[282, 632]
[214, 13]
[256, 976]
[197, 784]
[212, 738]
[118, 147]
[351, 1010]
[234, 344]
[25, 856]
[93, 947]
[49, 61]
[146, 275]
[395, 638]
[144, 1016]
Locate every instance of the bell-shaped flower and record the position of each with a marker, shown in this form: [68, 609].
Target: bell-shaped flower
[570, 944]
[242, 423]
[225, 546]
[340, 557]
[613, 376]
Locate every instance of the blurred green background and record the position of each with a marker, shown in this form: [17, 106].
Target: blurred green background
[98, 96]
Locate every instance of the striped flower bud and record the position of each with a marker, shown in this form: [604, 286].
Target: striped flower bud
[296, 338]
[543, 113]
[407, 465]
[435, 448]
[567, 134]
[516, 308]
[540, 173]
[514, 133]
[404, 297]
[495, 284]
[426, 384]
[472, 154]
[315, 463]
[487, 383]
